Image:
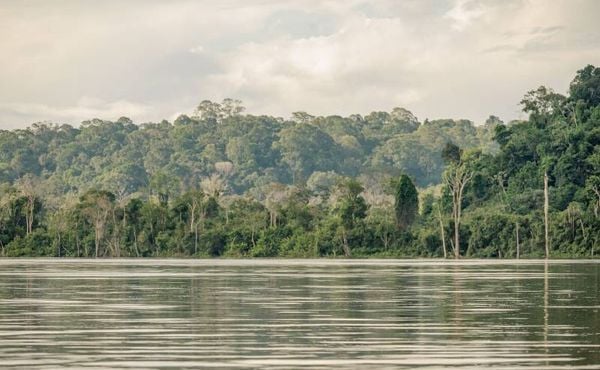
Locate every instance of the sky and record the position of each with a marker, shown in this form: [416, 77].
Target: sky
[68, 61]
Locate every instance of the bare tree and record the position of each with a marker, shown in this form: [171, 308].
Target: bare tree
[456, 177]
[197, 214]
[276, 193]
[439, 211]
[546, 206]
[28, 186]
[97, 206]
[517, 236]
[213, 186]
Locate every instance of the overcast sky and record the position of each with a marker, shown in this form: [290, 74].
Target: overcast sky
[67, 61]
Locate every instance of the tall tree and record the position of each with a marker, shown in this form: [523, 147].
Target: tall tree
[546, 207]
[456, 177]
[28, 186]
[96, 206]
[406, 202]
[351, 208]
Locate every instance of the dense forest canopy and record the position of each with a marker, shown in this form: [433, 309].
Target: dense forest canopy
[249, 151]
[219, 182]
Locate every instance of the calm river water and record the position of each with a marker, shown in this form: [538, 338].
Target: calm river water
[358, 314]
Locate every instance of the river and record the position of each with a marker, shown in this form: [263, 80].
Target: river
[285, 314]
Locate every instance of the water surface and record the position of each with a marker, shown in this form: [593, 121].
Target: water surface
[284, 314]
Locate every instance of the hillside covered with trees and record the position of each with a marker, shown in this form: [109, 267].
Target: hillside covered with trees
[223, 183]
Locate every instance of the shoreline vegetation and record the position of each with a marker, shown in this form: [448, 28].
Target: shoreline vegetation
[221, 183]
[327, 260]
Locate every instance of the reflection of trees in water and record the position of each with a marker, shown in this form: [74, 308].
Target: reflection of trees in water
[546, 317]
[457, 288]
[253, 310]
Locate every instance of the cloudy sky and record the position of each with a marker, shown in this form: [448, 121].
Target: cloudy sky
[67, 61]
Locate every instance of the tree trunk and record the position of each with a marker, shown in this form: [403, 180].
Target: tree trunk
[58, 244]
[385, 239]
[597, 205]
[345, 245]
[457, 181]
[518, 246]
[546, 206]
[456, 209]
[456, 240]
[116, 235]
[192, 216]
[135, 245]
[442, 232]
[29, 214]
[77, 240]
[195, 239]
[97, 240]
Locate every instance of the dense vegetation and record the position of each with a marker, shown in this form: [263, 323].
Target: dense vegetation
[222, 183]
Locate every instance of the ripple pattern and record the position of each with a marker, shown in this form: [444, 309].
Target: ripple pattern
[286, 314]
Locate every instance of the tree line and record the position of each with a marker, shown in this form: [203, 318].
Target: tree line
[223, 183]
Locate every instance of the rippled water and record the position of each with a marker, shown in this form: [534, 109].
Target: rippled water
[174, 314]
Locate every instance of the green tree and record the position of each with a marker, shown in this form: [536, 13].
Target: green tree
[351, 209]
[406, 202]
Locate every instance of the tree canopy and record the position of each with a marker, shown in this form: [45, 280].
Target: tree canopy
[219, 182]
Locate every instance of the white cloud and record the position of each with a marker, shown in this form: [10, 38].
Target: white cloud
[86, 108]
[463, 12]
[359, 65]
[199, 49]
[151, 59]
[429, 65]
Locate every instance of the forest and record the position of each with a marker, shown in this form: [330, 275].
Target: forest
[222, 183]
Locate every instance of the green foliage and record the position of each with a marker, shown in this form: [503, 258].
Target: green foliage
[351, 207]
[451, 153]
[36, 244]
[219, 183]
[406, 202]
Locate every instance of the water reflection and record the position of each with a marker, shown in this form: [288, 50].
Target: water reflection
[285, 314]
[546, 307]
